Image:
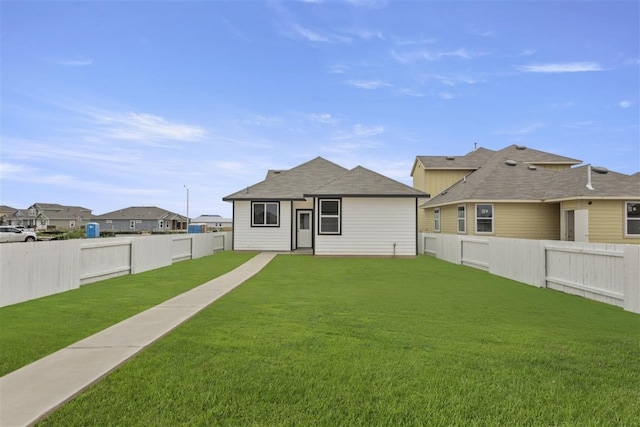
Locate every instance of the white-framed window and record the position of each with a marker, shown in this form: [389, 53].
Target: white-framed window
[329, 216]
[160, 223]
[132, 224]
[462, 219]
[436, 219]
[265, 214]
[484, 218]
[632, 219]
[72, 224]
[109, 221]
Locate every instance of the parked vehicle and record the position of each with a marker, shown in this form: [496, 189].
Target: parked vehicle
[13, 234]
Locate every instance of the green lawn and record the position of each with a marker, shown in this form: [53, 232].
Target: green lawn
[367, 342]
[34, 329]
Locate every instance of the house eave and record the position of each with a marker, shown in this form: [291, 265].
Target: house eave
[458, 202]
[341, 195]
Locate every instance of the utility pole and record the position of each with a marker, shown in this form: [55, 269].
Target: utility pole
[187, 207]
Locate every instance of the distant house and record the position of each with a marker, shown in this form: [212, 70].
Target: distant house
[15, 217]
[214, 222]
[141, 218]
[325, 208]
[60, 217]
[520, 192]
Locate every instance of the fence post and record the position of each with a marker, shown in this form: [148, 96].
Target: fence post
[632, 278]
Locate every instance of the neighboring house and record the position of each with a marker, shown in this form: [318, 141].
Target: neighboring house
[214, 222]
[328, 209]
[47, 216]
[141, 218]
[519, 192]
[15, 217]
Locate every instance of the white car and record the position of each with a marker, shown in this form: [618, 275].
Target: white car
[13, 234]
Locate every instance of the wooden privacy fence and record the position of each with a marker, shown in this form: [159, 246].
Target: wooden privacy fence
[608, 273]
[34, 270]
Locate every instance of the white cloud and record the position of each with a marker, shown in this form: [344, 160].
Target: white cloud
[625, 104]
[527, 52]
[360, 131]
[323, 118]
[368, 84]
[410, 92]
[455, 80]
[446, 95]
[147, 128]
[426, 55]
[338, 69]
[520, 130]
[79, 62]
[260, 120]
[568, 67]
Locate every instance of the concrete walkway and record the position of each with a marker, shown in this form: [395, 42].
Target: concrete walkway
[34, 391]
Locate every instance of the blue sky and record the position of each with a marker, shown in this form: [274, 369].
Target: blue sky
[114, 104]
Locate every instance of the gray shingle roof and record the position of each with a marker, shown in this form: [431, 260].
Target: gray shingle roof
[291, 184]
[472, 160]
[139, 212]
[54, 211]
[322, 177]
[571, 184]
[362, 182]
[498, 181]
[479, 157]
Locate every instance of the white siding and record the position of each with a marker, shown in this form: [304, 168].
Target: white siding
[371, 226]
[250, 238]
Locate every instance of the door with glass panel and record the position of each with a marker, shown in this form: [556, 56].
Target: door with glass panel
[304, 229]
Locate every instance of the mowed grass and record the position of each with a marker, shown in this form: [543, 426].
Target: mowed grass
[370, 342]
[34, 329]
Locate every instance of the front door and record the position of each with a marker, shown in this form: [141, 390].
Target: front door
[304, 229]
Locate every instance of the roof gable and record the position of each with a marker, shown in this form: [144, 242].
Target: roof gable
[362, 182]
[291, 184]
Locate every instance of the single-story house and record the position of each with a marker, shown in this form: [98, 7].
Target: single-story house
[141, 218]
[518, 192]
[330, 210]
[48, 216]
[15, 217]
[214, 222]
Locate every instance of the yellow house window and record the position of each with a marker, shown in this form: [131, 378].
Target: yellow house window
[436, 219]
[462, 219]
[484, 218]
[633, 219]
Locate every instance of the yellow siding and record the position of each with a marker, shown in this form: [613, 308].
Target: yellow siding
[554, 167]
[418, 177]
[436, 181]
[607, 222]
[449, 219]
[516, 220]
[526, 220]
[425, 220]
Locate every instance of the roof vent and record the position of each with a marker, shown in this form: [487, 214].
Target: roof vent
[520, 147]
[510, 163]
[600, 169]
[532, 167]
[450, 158]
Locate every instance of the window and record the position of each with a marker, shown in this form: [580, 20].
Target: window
[72, 224]
[484, 218]
[132, 223]
[462, 219]
[160, 223]
[633, 218]
[436, 219]
[265, 214]
[329, 216]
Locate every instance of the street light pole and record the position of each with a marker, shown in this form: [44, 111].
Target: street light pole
[187, 207]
